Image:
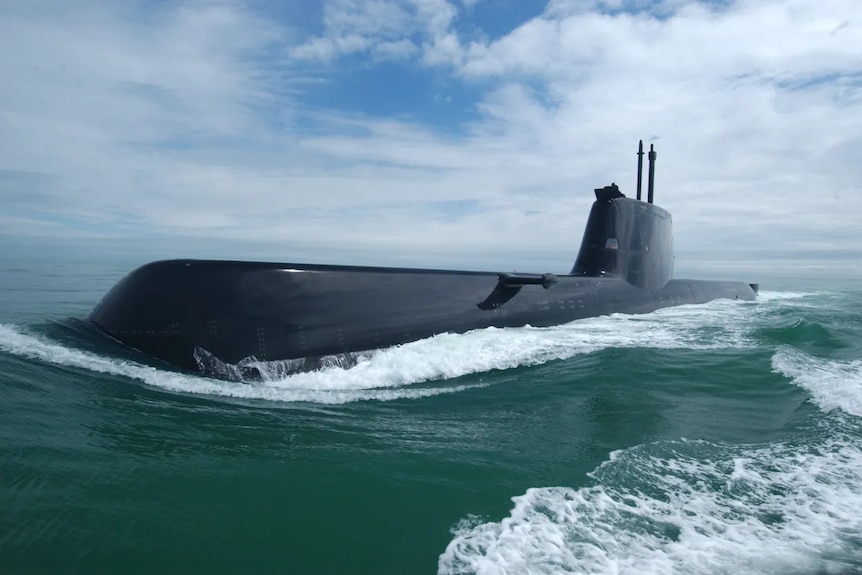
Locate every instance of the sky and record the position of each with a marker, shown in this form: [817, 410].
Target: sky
[431, 133]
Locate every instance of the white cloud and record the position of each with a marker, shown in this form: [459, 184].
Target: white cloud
[385, 29]
[382, 27]
[192, 120]
[396, 50]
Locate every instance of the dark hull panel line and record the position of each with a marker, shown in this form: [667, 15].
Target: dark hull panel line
[199, 315]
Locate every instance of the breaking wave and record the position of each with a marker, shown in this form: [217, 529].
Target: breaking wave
[687, 507]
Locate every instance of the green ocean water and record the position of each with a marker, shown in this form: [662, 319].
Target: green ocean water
[723, 438]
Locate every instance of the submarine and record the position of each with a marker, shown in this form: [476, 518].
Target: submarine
[229, 319]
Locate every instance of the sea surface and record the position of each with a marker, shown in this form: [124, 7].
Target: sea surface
[722, 438]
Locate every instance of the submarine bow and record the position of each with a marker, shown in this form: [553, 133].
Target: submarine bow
[216, 316]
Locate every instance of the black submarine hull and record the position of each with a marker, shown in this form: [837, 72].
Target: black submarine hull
[191, 313]
[218, 317]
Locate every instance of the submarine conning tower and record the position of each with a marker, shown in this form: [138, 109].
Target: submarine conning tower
[628, 238]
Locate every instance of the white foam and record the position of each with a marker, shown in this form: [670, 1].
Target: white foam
[682, 507]
[396, 373]
[769, 296]
[13, 340]
[832, 384]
